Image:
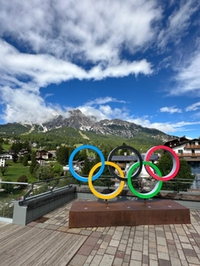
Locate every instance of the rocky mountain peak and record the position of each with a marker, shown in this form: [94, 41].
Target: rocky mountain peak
[116, 127]
[75, 112]
[81, 122]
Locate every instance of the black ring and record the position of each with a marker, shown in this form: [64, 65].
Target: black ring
[138, 171]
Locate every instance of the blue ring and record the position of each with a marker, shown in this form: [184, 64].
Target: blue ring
[79, 177]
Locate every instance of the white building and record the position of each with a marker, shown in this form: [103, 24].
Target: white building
[2, 162]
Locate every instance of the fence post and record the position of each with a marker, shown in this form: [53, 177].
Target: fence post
[19, 214]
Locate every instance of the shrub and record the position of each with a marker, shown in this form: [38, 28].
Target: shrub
[44, 173]
[7, 187]
[57, 170]
[22, 178]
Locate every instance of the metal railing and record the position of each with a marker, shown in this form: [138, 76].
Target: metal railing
[7, 198]
[192, 146]
[184, 154]
[50, 185]
[43, 187]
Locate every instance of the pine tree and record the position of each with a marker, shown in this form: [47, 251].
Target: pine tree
[87, 167]
[62, 155]
[34, 164]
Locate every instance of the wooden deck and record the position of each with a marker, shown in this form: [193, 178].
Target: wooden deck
[28, 246]
[49, 241]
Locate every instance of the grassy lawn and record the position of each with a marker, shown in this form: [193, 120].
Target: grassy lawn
[15, 170]
[6, 147]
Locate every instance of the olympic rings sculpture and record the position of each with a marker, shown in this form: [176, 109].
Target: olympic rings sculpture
[133, 172]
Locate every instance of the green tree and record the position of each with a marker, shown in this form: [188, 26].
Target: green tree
[34, 164]
[165, 164]
[62, 155]
[15, 157]
[57, 169]
[1, 148]
[26, 146]
[16, 146]
[86, 167]
[182, 181]
[6, 142]
[44, 173]
[81, 155]
[3, 169]
[25, 160]
[20, 159]
[124, 150]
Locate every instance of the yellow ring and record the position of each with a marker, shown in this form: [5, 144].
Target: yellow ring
[110, 195]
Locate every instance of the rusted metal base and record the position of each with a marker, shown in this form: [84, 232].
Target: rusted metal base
[127, 213]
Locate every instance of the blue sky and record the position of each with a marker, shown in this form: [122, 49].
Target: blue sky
[134, 60]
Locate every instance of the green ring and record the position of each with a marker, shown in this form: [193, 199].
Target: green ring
[154, 191]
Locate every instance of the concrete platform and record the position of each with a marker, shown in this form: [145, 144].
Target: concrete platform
[127, 213]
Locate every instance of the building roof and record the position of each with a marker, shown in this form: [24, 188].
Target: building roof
[131, 158]
[180, 141]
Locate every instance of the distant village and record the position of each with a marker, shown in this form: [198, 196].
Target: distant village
[185, 148]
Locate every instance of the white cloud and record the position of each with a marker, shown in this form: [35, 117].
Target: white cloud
[107, 112]
[55, 36]
[167, 127]
[101, 110]
[40, 69]
[170, 110]
[178, 22]
[43, 69]
[54, 41]
[124, 68]
[193, 107]
[91, 111]
[104, 100]
[25, 106]
[180, 31]
[88, 30]
[188, 78]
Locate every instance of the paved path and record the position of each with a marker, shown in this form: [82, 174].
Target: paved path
[49, 241]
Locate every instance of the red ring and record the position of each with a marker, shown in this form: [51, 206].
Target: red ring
[175, 168]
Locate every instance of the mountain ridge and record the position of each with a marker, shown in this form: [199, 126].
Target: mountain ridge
[79, 121]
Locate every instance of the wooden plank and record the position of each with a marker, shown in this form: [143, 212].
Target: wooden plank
[66, 254]
[10, 232]
[36, 249]
[33, 246]
[31, 259]
[5, 227]
[53, 248]
[3, 224]
[11, 241]
[27, 247]
[24, 245]
[43, 250]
